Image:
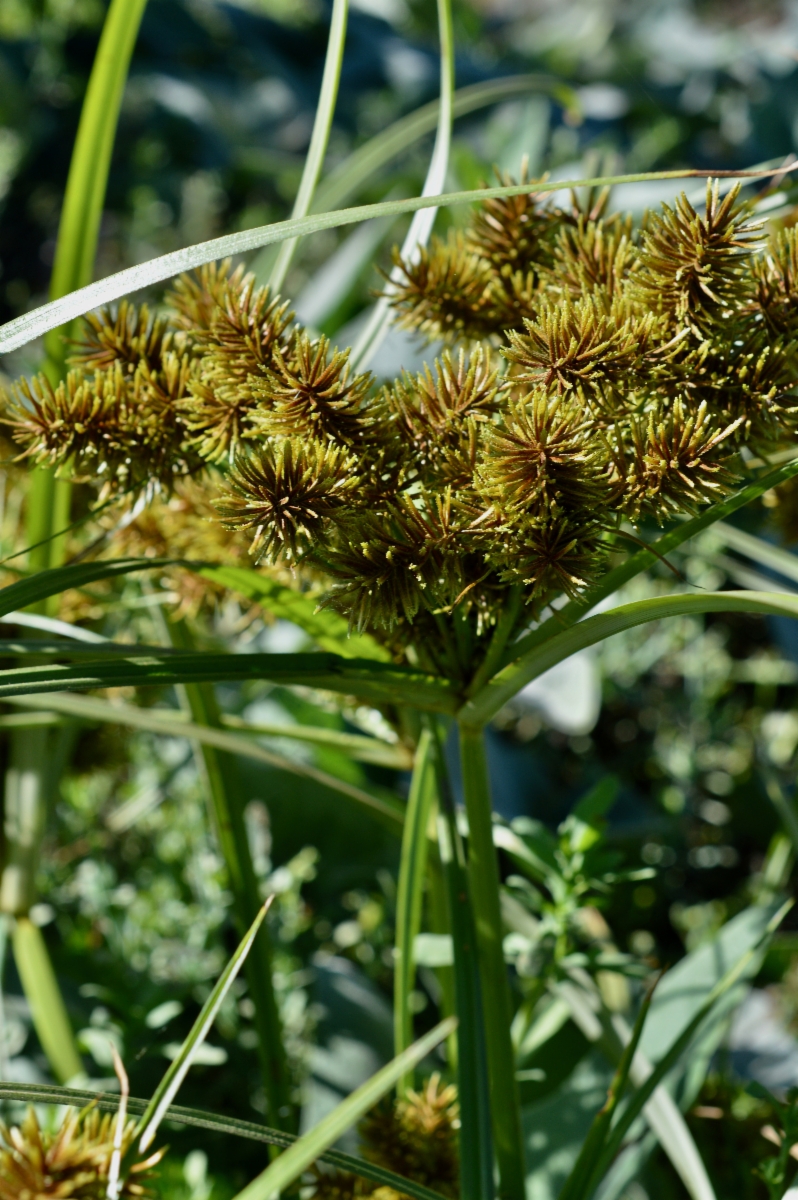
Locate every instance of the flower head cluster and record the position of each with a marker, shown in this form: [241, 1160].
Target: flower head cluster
[71, 1164]
[592, 373]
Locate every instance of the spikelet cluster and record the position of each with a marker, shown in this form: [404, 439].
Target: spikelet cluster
[71, 1164]
[416, 1137]
[592, 373]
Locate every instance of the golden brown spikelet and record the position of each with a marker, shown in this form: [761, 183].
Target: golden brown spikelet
[71, 1164]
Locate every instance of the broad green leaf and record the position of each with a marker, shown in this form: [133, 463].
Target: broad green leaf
[326, 627]
[681, 1044]
[197, 1118]
[641, 561]
[503, 686]
[44, 997]
[168, 723]
[578, 1185]
[164, 1094]
[39, 321]
[381, 682]
[306, 1150]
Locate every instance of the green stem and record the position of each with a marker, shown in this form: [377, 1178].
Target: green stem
[409, 897]
[502, 633]
[319, 137]
[224, 792]
[483, 872]
[476, 1147]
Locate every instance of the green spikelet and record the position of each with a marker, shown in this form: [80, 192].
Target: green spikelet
[285, 493]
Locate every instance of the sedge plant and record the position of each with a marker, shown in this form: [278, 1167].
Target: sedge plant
[596, 379]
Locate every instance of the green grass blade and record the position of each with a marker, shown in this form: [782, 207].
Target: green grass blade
[421, 226]
[379, 682]
[574, 610]
[578, 1185]
[473, 1085]
[483, 874]
[57, 579]
[169, 723]
[167, 1089]
[482, 707]
[41, 990]
[327, 628]
[290, 1165]
[409, 895]
[679, 1046]
[360, 167]
[319, 137]
[198, 1118]
[38, 321]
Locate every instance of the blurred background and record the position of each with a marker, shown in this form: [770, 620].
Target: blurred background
[696, 718]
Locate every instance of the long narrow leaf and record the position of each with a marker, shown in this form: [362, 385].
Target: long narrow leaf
[370, 680]
[26, 328]
[319, 137]
[327, 628]
[409, 895]
[167, 1089]
[197, 1118]
[482, 707]
[290, 1165]
[574, 610]
[680, 1045]
[760, 551]
[41, 990]
[173, 724]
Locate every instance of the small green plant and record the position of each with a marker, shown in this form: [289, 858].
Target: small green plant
[778, 1172]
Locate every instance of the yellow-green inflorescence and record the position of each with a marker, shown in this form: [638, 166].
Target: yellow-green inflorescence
[593, 373]
[70, 1164]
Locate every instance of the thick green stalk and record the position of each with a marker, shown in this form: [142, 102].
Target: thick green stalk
[476, 1147]
[224, 793]
[319, 138]
[483, 873]
[409, 896]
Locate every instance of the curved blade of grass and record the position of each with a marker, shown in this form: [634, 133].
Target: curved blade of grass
[172, 724]
[164, 1094]
[381, 682]
[327, 628]
[38, 321]
[482, 707]
[349, 176]
[198, 1118]
[574, 610]
[578, 1185]
[421, 226]
[40, 986]
[319, 137]
[293, 1161]
[409, 895]
[643, 1094]
[52, 626]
